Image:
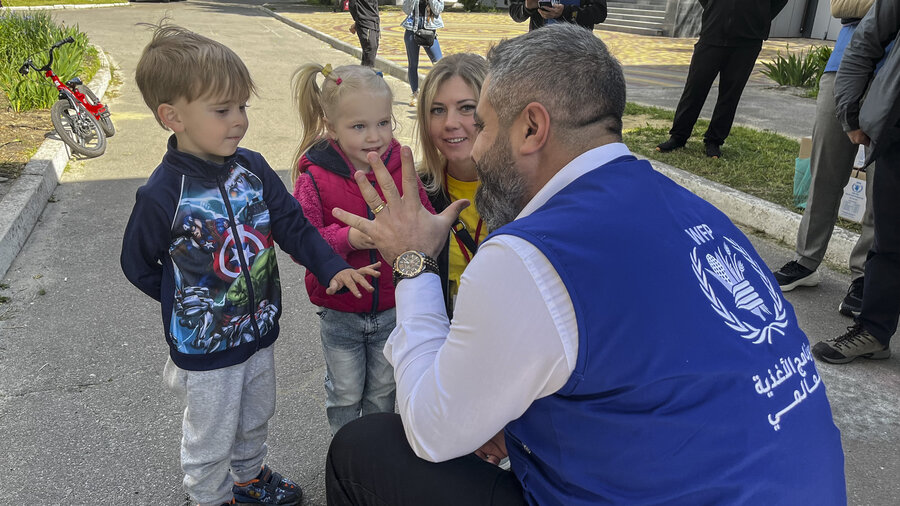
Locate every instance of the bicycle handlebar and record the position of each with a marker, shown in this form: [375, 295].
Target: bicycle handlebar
[29, 63]
[67, 40]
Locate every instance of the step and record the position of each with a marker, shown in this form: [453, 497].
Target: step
[612, 27]
[637, 12]
[637, 17]
[653, 25]
[657, 4]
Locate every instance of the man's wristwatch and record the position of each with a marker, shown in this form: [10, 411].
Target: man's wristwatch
[412, 263]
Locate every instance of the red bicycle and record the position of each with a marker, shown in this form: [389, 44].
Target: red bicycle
[79, 117]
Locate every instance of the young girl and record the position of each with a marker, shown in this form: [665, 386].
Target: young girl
[344, 120]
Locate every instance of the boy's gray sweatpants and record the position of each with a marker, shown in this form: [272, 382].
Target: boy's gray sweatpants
[225, 423]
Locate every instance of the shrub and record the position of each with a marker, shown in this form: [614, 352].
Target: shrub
[803, 69]
[32, 33]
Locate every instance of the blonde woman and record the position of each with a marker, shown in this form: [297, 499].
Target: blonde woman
[446, 134]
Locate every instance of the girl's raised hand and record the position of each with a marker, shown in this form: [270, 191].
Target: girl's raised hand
[359, 240]
[350, 278]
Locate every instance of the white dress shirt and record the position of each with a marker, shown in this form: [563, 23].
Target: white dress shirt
[513, 339]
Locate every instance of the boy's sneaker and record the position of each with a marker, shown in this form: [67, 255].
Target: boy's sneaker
[268, 487]
[852, 303]
[414, 99]
[856, 342]
[792, 275]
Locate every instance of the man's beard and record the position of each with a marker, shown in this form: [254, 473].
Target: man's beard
[501, 192]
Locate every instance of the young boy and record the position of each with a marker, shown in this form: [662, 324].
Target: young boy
[200, 241]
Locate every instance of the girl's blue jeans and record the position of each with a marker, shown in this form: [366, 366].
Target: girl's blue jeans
[412, 57]
[358, 378]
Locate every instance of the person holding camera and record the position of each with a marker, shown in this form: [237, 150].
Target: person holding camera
[585, 13]
[423, 19]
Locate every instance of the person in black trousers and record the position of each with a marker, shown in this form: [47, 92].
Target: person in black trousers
[366, 26]
[874, 123]
[731, 35]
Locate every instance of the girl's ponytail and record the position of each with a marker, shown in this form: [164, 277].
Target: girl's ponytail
[308, 101]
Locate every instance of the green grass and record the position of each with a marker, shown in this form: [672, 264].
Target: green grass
[33, 3]
[760, 163]
[754, 162]
[24, 33]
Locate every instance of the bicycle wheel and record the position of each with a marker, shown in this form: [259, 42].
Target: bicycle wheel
[78, 128]
[108, 128]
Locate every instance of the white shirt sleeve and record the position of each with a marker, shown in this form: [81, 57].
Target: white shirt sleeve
[513, 340]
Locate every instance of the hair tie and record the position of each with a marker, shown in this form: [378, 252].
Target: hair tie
[327, 71]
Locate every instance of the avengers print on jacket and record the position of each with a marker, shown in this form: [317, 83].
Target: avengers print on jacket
[201, 241]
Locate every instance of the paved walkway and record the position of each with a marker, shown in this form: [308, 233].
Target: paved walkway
[648, 61]
[82, 405]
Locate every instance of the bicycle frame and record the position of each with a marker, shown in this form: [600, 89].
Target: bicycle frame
[72, 94]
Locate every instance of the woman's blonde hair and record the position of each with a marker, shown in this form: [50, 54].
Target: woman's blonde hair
[315, 104]
[472, 68]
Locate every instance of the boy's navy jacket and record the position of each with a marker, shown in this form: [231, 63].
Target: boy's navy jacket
[200, 240]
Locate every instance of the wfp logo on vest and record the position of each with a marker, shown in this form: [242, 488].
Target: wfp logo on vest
[737, 288]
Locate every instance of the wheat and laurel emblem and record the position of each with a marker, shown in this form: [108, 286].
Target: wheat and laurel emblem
[727, 265]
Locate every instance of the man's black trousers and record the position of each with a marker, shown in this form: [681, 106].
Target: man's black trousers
[370, 462]
[368, 42]
[733, 65]
[881, 292]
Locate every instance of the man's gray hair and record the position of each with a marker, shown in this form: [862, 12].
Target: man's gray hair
[565, 68]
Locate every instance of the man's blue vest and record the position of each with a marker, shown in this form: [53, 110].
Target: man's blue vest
[693, 383]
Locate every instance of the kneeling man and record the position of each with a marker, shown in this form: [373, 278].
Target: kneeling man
[617, 336]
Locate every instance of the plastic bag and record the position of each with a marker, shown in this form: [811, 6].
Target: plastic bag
[801, 182]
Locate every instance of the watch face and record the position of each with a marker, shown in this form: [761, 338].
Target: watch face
[409, 263]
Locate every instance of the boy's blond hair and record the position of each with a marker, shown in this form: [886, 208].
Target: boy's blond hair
[315, 105]
[178, 63]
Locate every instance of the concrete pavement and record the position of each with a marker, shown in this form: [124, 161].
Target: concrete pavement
[86, 419]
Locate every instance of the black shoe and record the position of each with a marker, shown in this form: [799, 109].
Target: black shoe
[852, 303]
[670, 145]
[856, 342]
[713, 150]
[792, 275]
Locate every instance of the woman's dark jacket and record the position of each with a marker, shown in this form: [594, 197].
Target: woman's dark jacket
[440, 200]
[588, 14]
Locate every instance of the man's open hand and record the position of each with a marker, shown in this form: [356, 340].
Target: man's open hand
[400, 223]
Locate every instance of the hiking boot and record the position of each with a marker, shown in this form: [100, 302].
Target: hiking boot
[792, 275]
[856, 342]
[852, 303]
[670, 145]
[268, 487]
[713, 150]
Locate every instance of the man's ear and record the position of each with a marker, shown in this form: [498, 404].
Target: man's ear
[535, 121]
[169, 117]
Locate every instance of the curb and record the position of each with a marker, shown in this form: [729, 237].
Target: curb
[23, 205]
[743, 209]
[60, 6]
[755, 213]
